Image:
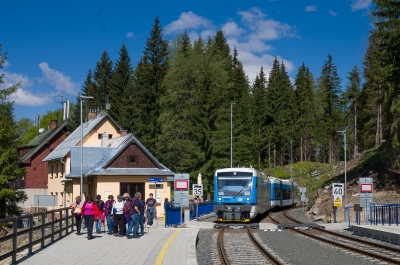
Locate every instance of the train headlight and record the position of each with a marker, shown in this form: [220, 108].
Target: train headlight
[247, 199]
[219, 199]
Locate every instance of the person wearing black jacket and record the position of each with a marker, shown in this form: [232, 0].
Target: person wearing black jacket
[100, 220]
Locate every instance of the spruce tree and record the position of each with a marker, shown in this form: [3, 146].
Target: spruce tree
[9, 168]
[304, 83]
[148, 78]
[121, 91]
[331, 111]
[102, 83]
[352, 98]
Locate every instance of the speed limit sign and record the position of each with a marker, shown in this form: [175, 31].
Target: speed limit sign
[337, 189]
[198, 189]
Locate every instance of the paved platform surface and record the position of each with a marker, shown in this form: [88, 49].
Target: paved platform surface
[387, 233]
[163, 246]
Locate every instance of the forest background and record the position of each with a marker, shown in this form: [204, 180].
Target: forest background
[183, 97]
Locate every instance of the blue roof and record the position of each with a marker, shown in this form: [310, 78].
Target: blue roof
[94, 165]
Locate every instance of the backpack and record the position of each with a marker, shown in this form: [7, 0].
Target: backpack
[128, 207]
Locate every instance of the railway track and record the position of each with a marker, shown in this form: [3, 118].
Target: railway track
[348, 243]
[239, 247]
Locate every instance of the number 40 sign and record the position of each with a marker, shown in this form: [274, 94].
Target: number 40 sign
[337, 189]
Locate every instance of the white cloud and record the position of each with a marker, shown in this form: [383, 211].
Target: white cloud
[27, 98]
[265, 29]
[310, 8]
[11, 79]
[250, 36]
[360, 4]
[333, 13]
[187, 20]
[130, 34]
[232, 29]
[59, 80]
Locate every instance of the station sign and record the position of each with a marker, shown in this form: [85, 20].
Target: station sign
[366, 188]
[156, 179]
[182, 184]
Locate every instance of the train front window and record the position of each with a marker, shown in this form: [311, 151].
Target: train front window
[234, 186]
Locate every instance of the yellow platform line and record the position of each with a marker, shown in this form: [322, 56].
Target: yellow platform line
[163, 251]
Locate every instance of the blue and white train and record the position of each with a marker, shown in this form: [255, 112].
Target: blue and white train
[240, 194]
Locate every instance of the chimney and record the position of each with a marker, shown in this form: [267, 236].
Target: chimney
[104, 139]
[53, 124]
[91, 115]
[123, 132]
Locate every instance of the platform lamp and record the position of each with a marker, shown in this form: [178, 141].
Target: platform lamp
[232, 103]
[345, 173]
[82, 98]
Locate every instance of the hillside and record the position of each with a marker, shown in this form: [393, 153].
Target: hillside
[317, 178]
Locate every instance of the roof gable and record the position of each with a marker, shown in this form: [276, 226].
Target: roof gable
[40, 140]
[75, 137]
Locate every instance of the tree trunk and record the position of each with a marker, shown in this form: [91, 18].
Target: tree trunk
[355, 155]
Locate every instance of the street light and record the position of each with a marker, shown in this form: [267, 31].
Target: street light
[345, 173]
[82, 97]
[232, 103]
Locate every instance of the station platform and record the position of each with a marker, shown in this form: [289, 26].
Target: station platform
[386, 233]
[160, 245]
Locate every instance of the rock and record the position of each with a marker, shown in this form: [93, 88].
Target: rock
[318, 218]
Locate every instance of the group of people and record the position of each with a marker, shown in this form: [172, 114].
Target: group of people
[123, 216]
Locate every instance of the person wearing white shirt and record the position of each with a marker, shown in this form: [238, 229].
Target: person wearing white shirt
[119, 219]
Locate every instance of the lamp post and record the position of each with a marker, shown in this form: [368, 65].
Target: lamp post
[345, 173]
[232, 103]
[82, 98]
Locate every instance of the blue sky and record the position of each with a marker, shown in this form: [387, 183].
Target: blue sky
[51, 45]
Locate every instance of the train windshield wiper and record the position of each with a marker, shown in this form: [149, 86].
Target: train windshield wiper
[240, 191]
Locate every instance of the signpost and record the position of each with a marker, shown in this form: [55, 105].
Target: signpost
[181, 190]
[198, 192]
[337, 192]
[366, 194]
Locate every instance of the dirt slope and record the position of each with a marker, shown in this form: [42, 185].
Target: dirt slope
[386, 187]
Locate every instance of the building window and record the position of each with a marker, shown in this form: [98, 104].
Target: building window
[132, 159]
[52, 171]
[62, 170]
[61, 199]
[56, 170]
[109, 136]
[99, 135]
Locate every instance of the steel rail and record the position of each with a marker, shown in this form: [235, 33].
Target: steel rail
[262, 249]
[348, 237]
[357, 250]
[221, 248]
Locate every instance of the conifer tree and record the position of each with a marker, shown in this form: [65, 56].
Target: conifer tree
[352, 97]
[330, 110]
[149, 75]
[386, 18]
[259, 114]
[9, 168]
[304, 83]
[121, 93]
[102, 82]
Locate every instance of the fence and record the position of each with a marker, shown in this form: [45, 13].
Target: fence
[387, 214]
[64, 223]
[203, 208]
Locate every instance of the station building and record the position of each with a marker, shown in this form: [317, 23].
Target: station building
[114, 162]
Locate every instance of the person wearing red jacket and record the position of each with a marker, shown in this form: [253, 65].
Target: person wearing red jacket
[90, 213]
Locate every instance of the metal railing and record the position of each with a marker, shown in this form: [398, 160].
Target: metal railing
[56, 226]
[202, 208]
[387, 214]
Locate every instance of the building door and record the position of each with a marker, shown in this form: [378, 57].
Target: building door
[132, 188]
